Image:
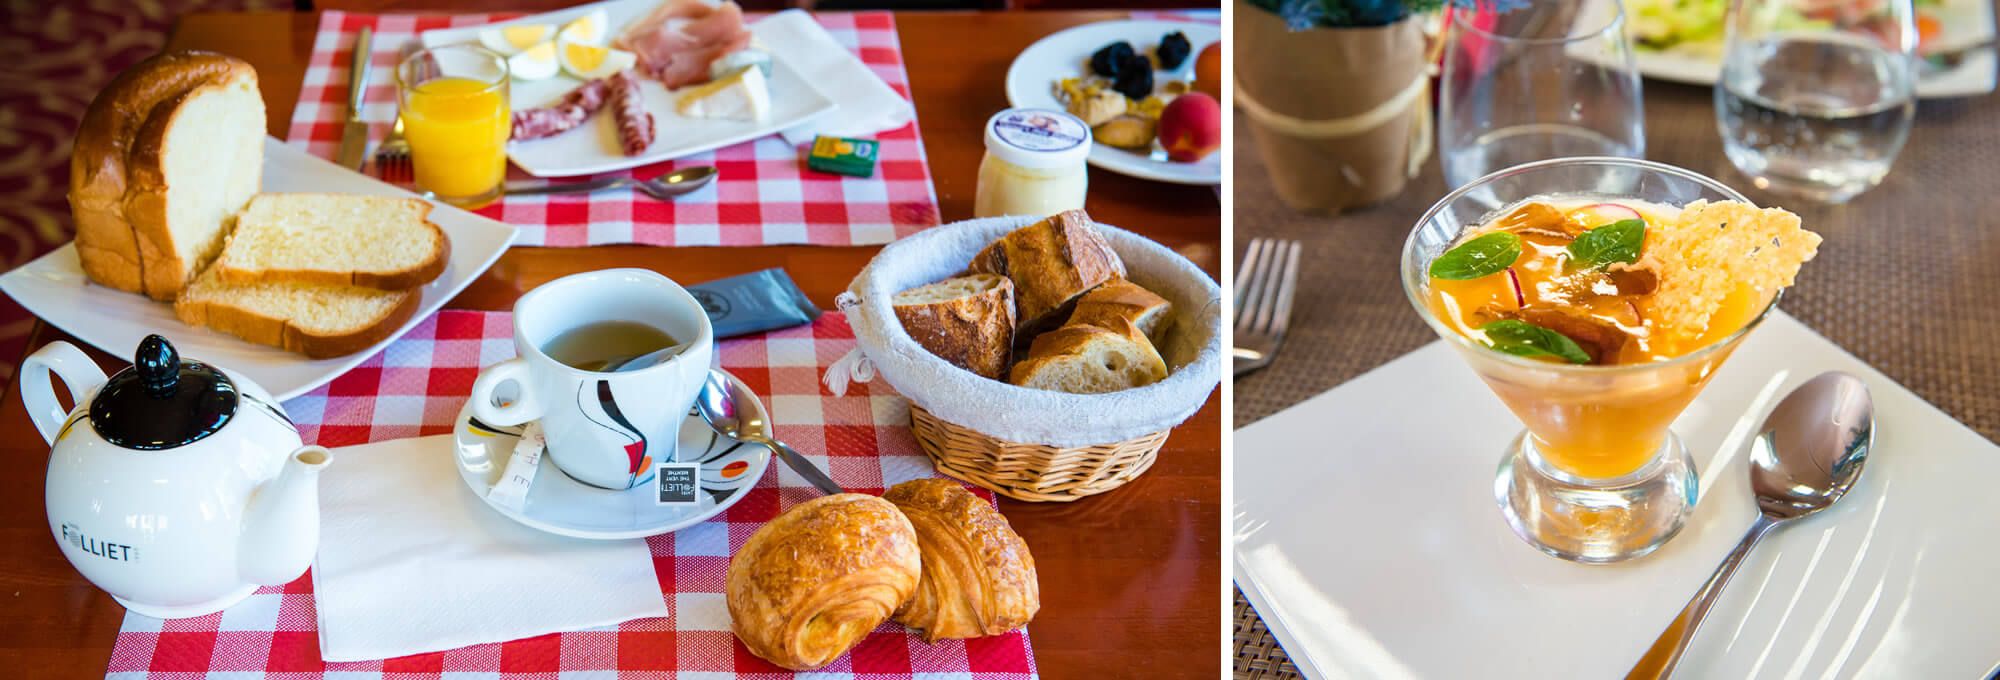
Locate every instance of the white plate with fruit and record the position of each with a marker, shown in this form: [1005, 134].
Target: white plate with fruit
[740, 88]
[1154, 108]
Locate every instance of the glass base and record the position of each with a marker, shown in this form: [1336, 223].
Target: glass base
[468, 202]
[1595, 521]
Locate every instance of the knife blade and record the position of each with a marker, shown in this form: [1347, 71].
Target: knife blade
[354, 134]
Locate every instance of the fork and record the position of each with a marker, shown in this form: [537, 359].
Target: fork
[1265, 284]
[392, 157]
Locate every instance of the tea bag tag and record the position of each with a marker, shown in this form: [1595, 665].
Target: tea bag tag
[511, 491]
[677, 483]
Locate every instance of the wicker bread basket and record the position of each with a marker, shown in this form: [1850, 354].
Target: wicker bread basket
[1029, 444]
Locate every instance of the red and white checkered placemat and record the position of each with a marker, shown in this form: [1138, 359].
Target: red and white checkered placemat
[764, 194]
[416, 387]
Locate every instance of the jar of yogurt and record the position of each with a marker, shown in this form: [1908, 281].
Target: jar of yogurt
[1034, 164]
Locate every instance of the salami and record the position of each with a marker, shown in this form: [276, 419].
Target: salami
[628, 108]
[568, 112]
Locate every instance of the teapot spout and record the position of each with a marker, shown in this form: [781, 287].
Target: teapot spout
[281, 524]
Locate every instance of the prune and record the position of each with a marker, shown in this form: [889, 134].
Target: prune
[1174, 49]
[1110, 60]
[1135, 77]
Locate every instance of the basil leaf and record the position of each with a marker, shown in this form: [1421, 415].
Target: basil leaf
[1483, 256]
[1615, 242]
[1521, 338]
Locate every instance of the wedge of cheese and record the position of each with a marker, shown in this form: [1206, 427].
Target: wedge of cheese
[743, 94]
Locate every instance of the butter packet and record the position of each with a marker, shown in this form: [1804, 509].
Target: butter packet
[753, 303]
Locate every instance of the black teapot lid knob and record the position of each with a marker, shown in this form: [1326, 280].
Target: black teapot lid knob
[159, 366]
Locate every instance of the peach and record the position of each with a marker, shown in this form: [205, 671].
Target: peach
[1208, 70]
[1191, 127]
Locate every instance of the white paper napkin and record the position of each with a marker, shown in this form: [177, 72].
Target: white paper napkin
[411, 562]
[864, 104]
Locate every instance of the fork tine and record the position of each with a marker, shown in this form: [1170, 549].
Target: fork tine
[1257, 287]
[1268, 302]
[1288, 284]
[1246, 273]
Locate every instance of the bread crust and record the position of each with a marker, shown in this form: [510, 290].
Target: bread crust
[1051, 263]
[423, 273]
[1075, 341]
[281, 333]
[1122, 300]
[978, 577]
[810, 584]
[100, 158]
[974, 332]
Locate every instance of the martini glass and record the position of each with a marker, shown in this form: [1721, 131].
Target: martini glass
[1597, 476]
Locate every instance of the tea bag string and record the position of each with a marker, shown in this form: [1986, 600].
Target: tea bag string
[1417, 93]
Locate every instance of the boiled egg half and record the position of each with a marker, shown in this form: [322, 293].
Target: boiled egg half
[534, 63]
[589, 29]
[590, 62]
[512, 40]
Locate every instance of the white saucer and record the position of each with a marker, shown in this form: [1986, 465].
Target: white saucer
[561, 505]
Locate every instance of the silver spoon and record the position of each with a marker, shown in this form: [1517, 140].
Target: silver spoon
[665, 187]
[717, 403]
[1809, 454]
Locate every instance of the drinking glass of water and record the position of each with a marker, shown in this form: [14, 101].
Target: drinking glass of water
[1529, 81]
[1817, 103]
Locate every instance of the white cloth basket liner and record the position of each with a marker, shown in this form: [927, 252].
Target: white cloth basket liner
[1192, 346]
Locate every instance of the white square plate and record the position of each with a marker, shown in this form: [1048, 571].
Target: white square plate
[53, 287]
[1367, 537]
[593, 147]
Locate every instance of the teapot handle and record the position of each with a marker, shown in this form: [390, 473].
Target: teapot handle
[78, 372]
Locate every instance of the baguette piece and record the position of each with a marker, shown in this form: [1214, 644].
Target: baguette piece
[1122, 300]
[1051, 263]
[376, 242]
[164, 155]
[966, 320]
[1087, 359]
[317, 321]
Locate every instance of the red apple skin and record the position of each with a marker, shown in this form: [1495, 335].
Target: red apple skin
[1191, 127]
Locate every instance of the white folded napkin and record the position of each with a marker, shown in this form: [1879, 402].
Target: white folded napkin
[410, 561]
[865, 104]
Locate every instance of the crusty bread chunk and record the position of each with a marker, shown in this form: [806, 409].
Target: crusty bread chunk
[966, 320]
[1713, 249]
[1087, 359]
[164, 156]
[1051, 263]
[1122, 300]
[376, 242]
[314, 320]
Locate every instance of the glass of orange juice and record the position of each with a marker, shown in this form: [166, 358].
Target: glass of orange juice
[1597, 476]
[453, 102]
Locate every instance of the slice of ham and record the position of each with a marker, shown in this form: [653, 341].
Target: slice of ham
[678, 41]
[628, 110]
[568, 112]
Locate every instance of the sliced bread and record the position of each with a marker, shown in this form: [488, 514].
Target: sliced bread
[377, 242]
[1051, 263]
[164, 156]
[1089, 359]
[1122, 300]
[967, 320]
[314, 320]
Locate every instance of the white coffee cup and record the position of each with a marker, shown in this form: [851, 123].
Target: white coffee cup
[604, 429]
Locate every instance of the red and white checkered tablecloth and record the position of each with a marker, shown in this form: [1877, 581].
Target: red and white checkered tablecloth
[764, 195]
[416, 387]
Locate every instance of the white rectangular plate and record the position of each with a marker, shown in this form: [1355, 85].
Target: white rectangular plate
[53, 287]
[1368, 538]
[1969, 23]
[593, 147]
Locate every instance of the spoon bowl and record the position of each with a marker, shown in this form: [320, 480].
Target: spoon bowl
[718, 406]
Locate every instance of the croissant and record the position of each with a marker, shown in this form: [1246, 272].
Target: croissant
[978, 577]
[807, 586]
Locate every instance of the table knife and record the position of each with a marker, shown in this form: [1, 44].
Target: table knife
[354, 134]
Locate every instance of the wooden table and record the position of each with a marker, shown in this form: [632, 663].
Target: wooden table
[1131, 580]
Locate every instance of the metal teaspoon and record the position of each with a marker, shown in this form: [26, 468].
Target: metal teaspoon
[717, 404]
[1808, 455]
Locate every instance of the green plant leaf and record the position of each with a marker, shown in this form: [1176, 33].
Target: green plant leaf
[1521, 338]
[1618, 241]
[1482, 256]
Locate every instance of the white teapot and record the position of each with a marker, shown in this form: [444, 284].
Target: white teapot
[175, 486]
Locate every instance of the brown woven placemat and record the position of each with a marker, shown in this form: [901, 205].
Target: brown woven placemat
[1908, 279]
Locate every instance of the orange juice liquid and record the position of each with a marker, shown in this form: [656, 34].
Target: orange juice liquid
[458, 130]
[1600, 426]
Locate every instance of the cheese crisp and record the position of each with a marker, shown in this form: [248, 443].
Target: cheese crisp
[1713, 249]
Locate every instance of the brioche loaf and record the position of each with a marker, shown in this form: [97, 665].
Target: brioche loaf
[1051, 262]
[335, 239]
[810, 584]
[315, 320]
[164, 156]
[966, 320]
[1122, 300]
[1089, 359]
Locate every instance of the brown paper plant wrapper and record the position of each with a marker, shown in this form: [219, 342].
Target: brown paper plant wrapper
[1341, 116]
